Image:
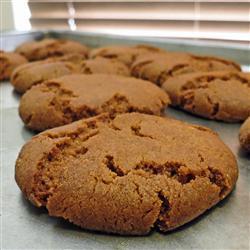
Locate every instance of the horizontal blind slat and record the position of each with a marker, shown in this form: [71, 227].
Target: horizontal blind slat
[140, 1]
[240, 27]
[164, 11]
[49, 10]
[114, 19]
[50, 24]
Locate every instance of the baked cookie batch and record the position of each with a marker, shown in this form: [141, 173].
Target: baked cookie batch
[107, 160]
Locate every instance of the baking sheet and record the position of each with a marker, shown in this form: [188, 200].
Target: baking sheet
[23, 226]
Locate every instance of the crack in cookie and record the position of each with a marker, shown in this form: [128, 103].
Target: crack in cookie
[212, 95]
[77, 96]
[159, 67]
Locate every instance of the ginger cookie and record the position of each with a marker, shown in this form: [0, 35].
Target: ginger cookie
[30, 74]
[49, 47]
[126, 175]
[8, 62]
[158, 67]
[101, 65]
[244, 135]
[69, 98]
[124, 53]
[25, 76]
[221, 95]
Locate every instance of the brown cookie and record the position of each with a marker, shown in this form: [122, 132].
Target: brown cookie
[244, 135]
[8, 62]
[25, 76]
[158, 67]
[221, 95]
[38, 50]
[127, 175]
[123, 53]
[69, 98]
[71, 57]
[101, 65]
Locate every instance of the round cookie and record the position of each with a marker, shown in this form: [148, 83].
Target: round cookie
[158, 67]
[124, 53]
[70, 57]
[221, 95]
[244, 135]
[69, 98]
[101, 65]
[126, 175]
[25, 76]
[8, 62]
[30, 74]
[38, 50]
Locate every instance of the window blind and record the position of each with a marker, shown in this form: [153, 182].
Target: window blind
[217, 20]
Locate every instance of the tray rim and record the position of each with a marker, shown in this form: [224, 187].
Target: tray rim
[191, 42]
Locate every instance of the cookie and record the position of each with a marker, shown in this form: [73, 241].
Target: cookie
[221, 95]
[70, 57]
[244, 135]
[123, 53]
[38, 50]
[8, 62]
[158, 67]
[25, 76]
[101, 65]
[69, 98]
[126, 175]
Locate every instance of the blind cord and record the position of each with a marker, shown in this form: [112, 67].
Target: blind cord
[71, 19]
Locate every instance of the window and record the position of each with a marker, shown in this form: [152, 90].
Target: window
[217, 20]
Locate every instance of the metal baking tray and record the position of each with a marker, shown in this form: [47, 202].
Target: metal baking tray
[23, 226]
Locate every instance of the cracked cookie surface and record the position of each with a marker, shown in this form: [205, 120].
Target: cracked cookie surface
[30, 74]
[69, 98]
[218, 95]
[244, 135]
[123, 53]
[101, 65]
[8, 62]
[127, 174]
[38, 50]
[25, 76]
[158, 67]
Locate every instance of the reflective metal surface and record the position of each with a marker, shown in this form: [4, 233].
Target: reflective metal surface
[226, 226]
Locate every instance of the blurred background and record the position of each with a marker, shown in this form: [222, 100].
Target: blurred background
[220, 21]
